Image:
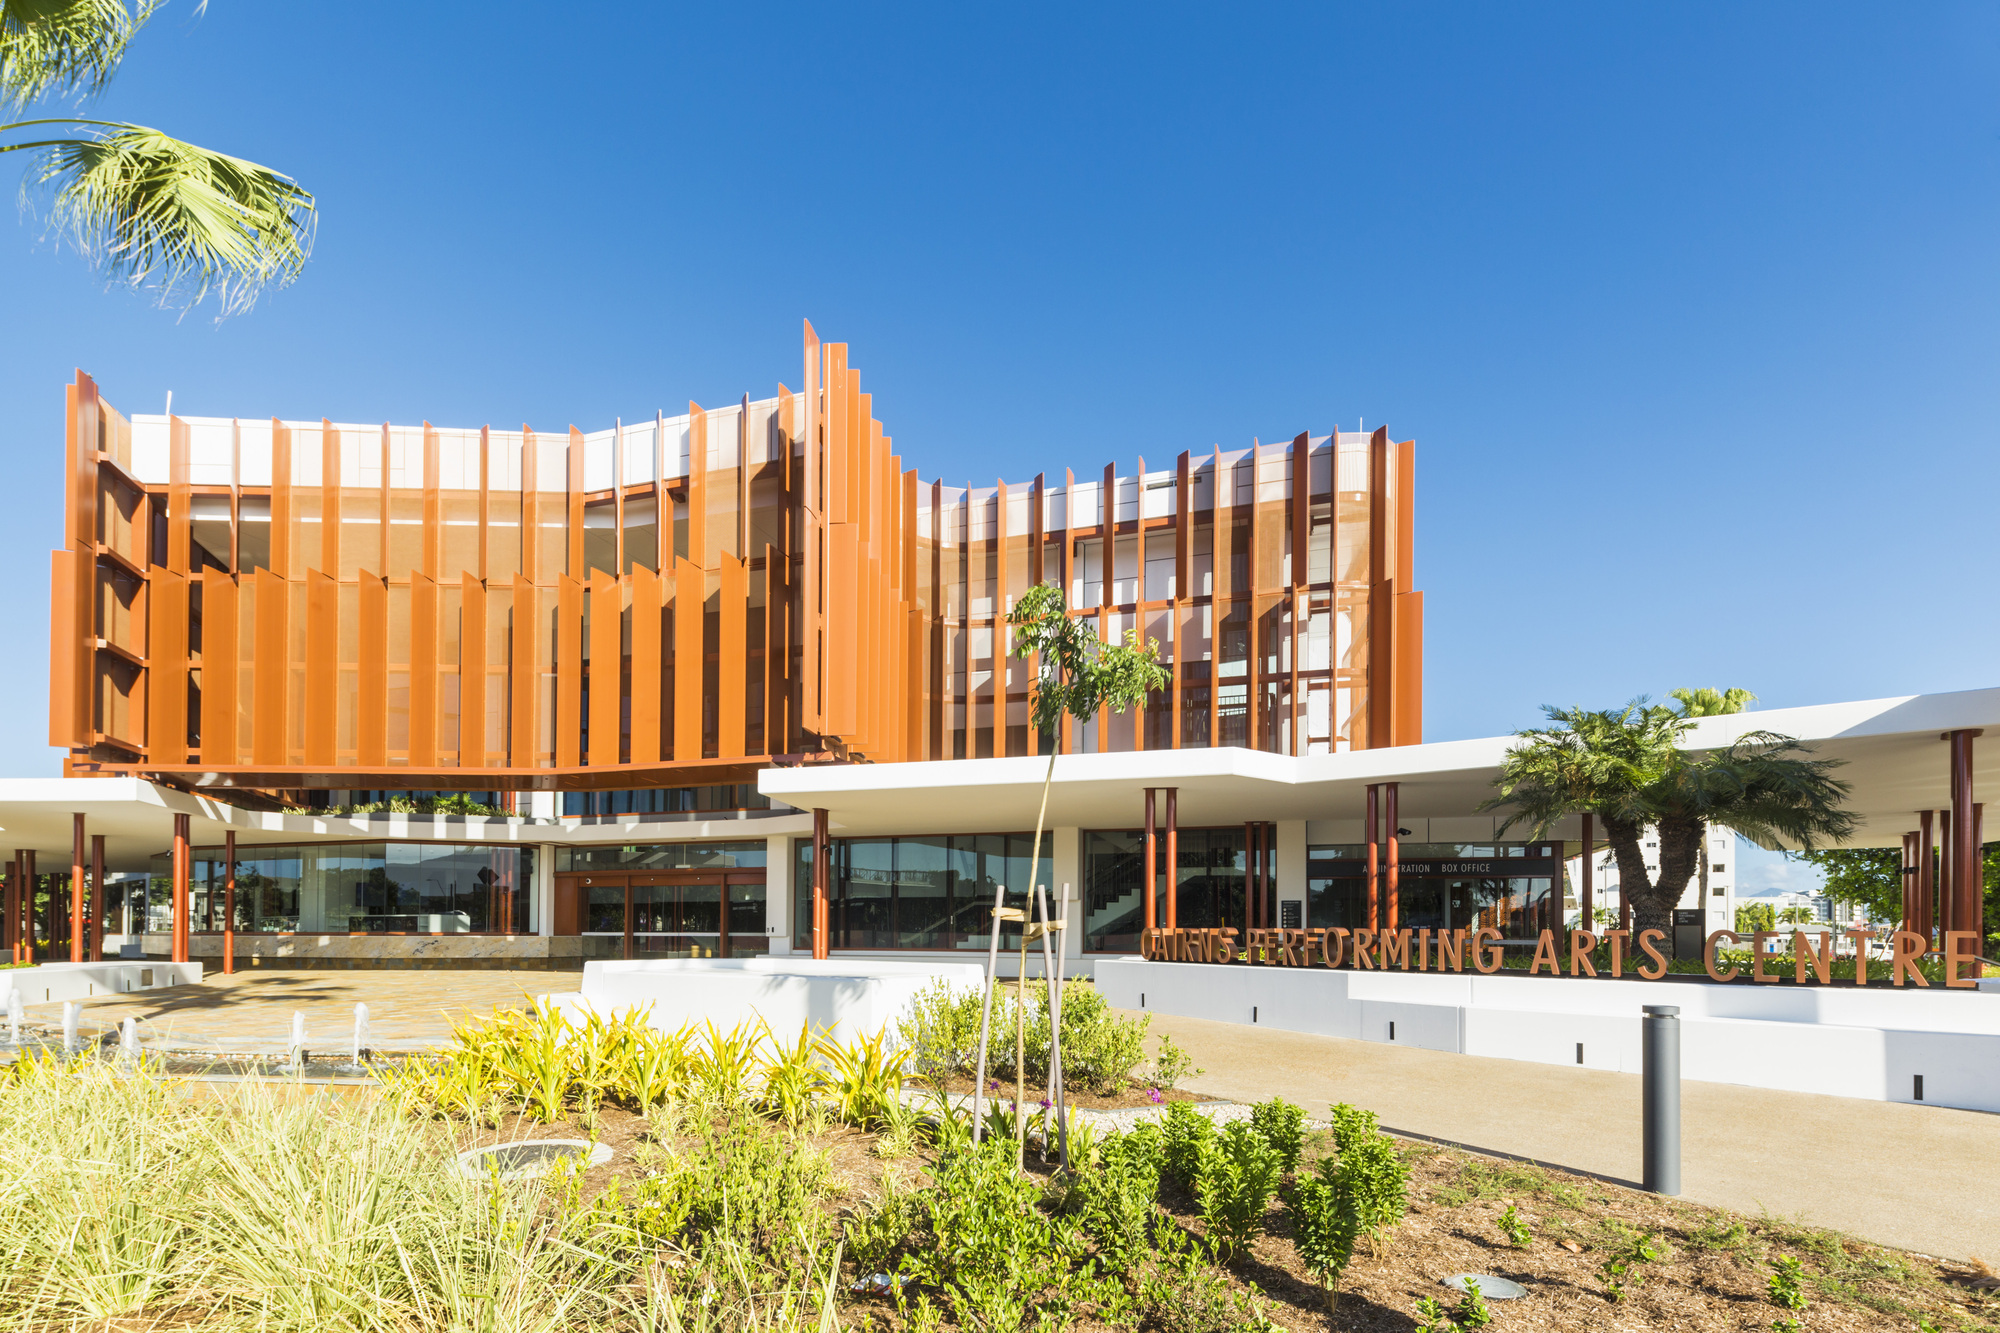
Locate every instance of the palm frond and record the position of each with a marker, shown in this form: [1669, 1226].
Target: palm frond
[63, 46]
[150, 209]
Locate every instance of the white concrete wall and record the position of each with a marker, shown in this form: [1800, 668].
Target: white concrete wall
[50, 983]
[1846, 1041]
[845, 997]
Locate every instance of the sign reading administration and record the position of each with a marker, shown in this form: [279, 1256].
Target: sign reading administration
[1449, 951]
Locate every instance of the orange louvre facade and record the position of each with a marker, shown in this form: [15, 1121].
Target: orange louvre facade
[680, 601]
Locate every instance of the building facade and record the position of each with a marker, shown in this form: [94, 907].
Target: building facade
[737, 681]
[286, 607]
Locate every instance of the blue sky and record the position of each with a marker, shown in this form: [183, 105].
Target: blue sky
[1690, 309]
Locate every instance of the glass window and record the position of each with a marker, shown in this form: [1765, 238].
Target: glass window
[387, 887]
[665, 856]
[916, 893]
[1440, 886]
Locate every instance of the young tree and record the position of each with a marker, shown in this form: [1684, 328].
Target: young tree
[1627, 767]
[1077, 675]
[140, 204]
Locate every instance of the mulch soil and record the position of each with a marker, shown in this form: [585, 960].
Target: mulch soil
[1713, 1272]
[1082, 1098]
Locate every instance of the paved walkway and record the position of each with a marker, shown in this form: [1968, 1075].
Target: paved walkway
[251, 1012]
[1910, 1176]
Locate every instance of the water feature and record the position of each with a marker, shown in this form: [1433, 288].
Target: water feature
[71, 1013]
[17, 1012]
[360, 1033]
[296, 1054]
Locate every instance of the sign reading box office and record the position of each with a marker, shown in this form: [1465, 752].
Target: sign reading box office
[1407, 950]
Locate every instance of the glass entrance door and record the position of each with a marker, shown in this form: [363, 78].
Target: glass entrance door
[670, 914]
[676, 917]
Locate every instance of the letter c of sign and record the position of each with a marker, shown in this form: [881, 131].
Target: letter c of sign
[1708, 956]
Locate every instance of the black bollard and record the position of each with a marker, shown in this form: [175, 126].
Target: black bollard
[1662, 1079]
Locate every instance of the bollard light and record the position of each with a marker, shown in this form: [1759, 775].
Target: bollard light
[1661, 1029]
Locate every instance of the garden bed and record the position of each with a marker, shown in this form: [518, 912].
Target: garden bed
[793, 1191]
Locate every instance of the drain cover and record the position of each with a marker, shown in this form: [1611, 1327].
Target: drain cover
[1491, 1287]
[523, 1158]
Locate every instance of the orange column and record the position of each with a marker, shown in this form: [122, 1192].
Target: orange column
[229, 902]
[1173, 857]
[1389, 921]
[97, 897]
[180, 889]
[76, 888]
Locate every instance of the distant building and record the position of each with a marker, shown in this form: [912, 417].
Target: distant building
[1719, 908]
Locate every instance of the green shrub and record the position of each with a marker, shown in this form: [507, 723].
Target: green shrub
[1368, 1174]
[1239, 1173]
[1324, 1232]
[984, 1241]
[1514, 1229]
[1113, 1200]
[1186, 1131]
[1786, 1286]
[1172, 1064]
[1283, 1126]
[1100, 1049]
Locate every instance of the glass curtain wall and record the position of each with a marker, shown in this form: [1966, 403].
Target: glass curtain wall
[1209, 883]
[1441, 886]
[362, 887]
[917, 893]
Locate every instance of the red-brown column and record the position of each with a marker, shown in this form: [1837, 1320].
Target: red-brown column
[229, 903]
[822, 868]
[77, 844]
[97, 897]
[1926, 876]
[10, 933]
[1374, 825]
[1146, 921]
[1173, 857]
[1587, 899]
[1249, 878]
[1394, 886]
[181, 866]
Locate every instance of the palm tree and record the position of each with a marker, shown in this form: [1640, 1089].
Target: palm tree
[143, 206]
[1795, 915]
[1077, 675]
[1627, 768]
[1705, 702]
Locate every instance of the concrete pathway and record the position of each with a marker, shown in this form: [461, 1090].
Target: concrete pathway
[251, 1012]
[1914, 1177]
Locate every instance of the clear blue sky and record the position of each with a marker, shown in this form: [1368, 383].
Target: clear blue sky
[1690, 309]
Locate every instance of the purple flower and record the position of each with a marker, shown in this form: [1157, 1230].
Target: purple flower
[1045, 1103]
[1155, 1095]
